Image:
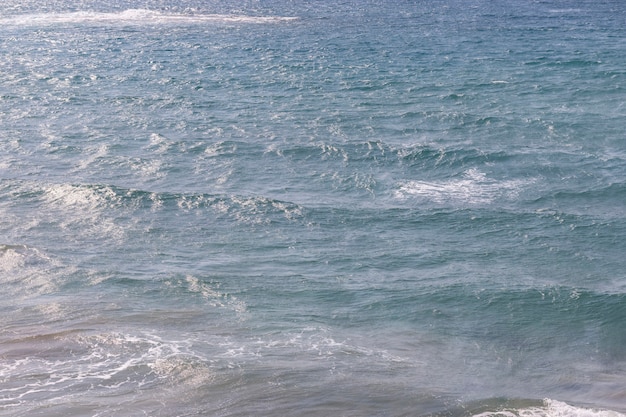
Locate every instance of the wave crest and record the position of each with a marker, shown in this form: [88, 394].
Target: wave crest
[550, 408]
[473, 188]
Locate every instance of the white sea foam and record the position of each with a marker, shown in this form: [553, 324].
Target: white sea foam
[551, 408]
[473, 188]
[247, 210]
[79, 197]
[561, 11]
[106, 362]
[26, 271]
[11, 257]
[212, 295]
[314, 342]
[77, 210]
[135, 17]
[82, 209]
[147, 168]
[94, 155]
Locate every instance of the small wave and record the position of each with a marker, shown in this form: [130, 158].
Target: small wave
[431, 156]
[26, 271]
[77, 210]
[44, 368]
[549, 408]
[11, 257]
[136, 17]
[210, 293]
[473, 188]
[109, 212]
[85, 209]
[565, 11]
[83, 198]
[319, 342]
[606, 201]
[244, 209]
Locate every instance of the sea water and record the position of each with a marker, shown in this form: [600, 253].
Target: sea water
[313, 208]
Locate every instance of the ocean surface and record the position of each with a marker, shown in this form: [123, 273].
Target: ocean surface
[313, 208]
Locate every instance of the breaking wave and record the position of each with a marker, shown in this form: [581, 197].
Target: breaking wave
[473, 188]
[548, 408]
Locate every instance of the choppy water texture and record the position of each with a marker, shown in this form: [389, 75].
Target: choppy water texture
[291, 208]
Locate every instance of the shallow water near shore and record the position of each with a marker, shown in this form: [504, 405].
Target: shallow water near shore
[295, 208]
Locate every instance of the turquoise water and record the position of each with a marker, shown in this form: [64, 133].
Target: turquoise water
[312, 208]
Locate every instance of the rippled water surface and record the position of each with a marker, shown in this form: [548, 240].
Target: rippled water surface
[312, 208]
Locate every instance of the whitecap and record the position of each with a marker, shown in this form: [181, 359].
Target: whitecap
[94, 154]
[84, 210]
[317, 342]
[110, 363]
[551, 408]
[255, 210]
[26, 271]
[562, 11]
[11, 257]
[78, 197]
[473, 188]
[213, 296]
